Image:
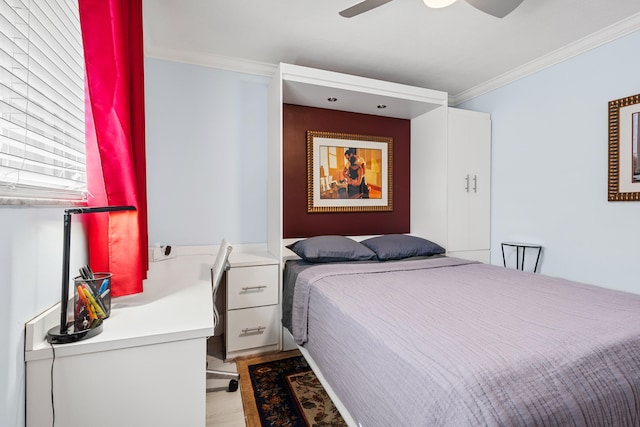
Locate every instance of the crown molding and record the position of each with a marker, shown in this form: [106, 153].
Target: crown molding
[212, 61]
[585, 44]
[592, 41]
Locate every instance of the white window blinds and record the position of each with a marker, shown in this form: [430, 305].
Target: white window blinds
[42, 134]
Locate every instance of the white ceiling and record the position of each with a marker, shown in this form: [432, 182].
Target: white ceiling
[458, 49]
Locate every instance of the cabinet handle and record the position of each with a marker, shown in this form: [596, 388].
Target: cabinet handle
[475, 183]
[467, 186]
[253, 288]
[254, 330]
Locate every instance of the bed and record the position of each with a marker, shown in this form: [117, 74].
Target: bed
[429, 340]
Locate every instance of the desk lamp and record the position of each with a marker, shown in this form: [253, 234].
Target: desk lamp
[61, 334]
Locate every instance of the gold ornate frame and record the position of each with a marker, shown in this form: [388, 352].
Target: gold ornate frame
[620, 149]
[318, 186]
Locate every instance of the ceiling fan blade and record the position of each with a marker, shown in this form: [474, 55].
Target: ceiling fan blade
[497, 8]
[362, 7]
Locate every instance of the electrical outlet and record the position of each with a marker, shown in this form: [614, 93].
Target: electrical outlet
[161, 253]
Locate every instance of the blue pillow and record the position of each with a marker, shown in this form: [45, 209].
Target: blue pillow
[331, 249]
[399, 246]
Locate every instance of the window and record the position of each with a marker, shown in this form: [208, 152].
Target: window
[42, 133]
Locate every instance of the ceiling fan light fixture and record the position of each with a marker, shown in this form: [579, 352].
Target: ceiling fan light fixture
[437, 4]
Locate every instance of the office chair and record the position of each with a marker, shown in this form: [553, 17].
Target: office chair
[219, 267]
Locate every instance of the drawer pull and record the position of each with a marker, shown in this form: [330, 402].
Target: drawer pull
[254, 330]
[253, 288]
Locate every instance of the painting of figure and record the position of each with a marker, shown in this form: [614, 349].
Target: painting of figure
[348, 172]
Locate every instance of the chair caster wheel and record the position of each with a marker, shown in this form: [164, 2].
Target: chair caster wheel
[233, 386]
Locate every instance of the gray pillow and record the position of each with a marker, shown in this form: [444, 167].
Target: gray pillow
[399, 246]
[331, 249]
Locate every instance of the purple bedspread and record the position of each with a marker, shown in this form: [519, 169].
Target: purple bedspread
[448, 342]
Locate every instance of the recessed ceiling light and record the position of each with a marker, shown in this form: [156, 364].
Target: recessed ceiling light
[332, 99]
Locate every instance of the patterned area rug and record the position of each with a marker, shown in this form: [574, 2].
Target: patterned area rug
[280, 389]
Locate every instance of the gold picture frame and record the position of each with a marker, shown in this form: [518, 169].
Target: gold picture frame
[349, 172]
[624, 149]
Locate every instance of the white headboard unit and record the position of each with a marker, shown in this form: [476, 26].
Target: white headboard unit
[432, 134]
[310, 87]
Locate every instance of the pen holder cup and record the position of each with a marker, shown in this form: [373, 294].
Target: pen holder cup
[92, 300]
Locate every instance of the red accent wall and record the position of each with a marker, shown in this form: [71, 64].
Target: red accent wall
[297, 120]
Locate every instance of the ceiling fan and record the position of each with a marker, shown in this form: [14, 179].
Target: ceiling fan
[497, 8]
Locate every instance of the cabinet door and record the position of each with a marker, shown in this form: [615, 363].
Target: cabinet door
[469, 180]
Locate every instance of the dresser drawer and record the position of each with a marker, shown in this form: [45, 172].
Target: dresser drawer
[252, 327]
[252, 286]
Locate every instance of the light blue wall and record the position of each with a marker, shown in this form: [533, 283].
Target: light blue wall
[30, 283]
[206, 154]
[549, 167]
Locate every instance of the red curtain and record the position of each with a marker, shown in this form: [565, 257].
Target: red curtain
[115, 133]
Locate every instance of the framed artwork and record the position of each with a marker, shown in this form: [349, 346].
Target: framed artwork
[349, 173]
[624, 149]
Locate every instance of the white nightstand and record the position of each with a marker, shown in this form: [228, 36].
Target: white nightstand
[252, 312]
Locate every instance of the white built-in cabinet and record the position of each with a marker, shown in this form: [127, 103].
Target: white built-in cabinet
[451, 181]
[469, 184]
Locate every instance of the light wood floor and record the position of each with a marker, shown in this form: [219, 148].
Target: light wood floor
[224, 409]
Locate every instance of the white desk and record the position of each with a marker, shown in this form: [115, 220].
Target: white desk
[146, 368]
